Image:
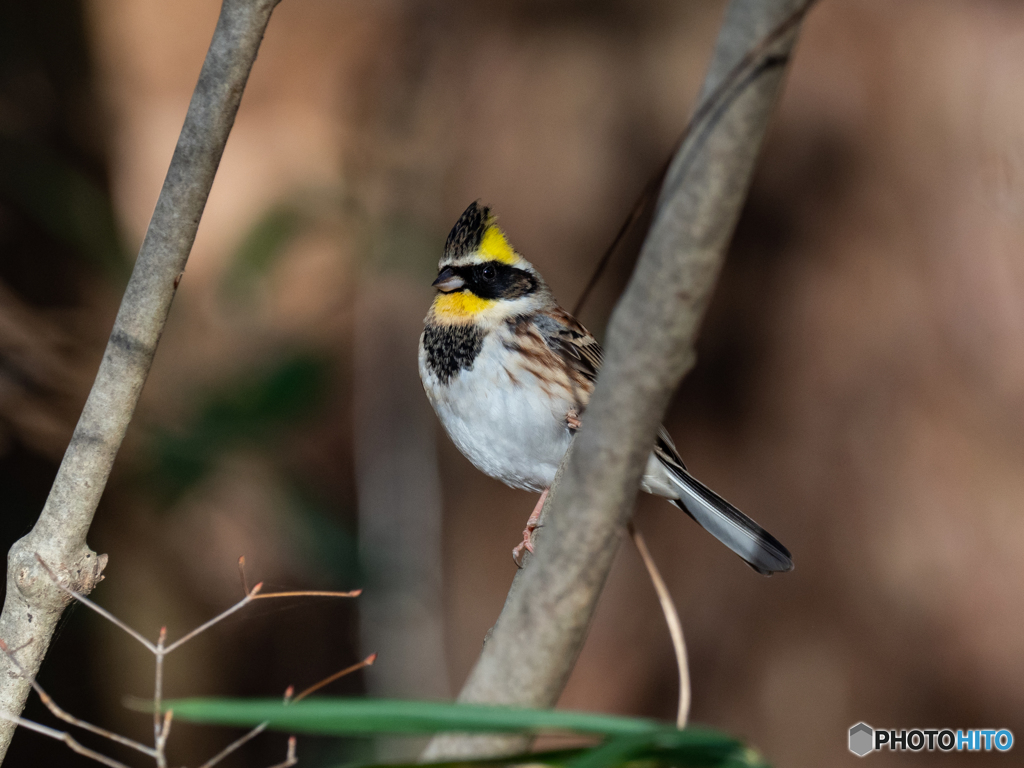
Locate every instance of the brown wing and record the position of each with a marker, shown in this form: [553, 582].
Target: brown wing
[553, 348]
[571, 342]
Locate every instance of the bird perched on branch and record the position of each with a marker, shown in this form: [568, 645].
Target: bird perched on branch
[510, 373]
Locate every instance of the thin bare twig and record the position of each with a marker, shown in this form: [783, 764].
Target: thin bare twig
[291, 759]
[675, 626]
[310, 593]
[215, 620]
[69, 718]
[158, 648]
[94, 606]
[532, 648]
[64, 736]
[241, 575]
[235, 745]
[257, 731]
[368, 661]
[161, 740]
[299, 593]
[254, 732]
[158, 685]
[162, 724]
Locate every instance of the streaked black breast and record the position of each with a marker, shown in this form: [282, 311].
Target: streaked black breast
[450, 348]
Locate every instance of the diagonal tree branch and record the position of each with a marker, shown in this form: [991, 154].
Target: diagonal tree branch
[528, 657]
[34, 602]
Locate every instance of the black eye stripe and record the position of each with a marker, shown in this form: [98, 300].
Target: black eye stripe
[508, 282]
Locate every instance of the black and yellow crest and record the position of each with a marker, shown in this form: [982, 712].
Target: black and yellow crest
[477, 232]
[468, 232]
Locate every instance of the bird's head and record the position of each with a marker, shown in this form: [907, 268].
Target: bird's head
[481, 278]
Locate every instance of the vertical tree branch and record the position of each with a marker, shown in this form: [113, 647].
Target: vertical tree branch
[535, 643]
[34, 602]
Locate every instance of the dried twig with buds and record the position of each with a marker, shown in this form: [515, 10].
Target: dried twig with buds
[161, 719]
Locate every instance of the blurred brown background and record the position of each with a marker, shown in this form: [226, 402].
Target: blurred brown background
[860, 385]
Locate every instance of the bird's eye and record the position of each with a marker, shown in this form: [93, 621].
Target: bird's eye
[488, 273]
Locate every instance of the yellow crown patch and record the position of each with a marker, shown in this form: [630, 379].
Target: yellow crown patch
[494, 246]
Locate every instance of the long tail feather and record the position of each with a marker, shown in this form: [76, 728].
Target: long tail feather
[760, 549]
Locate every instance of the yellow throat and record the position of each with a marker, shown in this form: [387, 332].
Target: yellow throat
[459, 306]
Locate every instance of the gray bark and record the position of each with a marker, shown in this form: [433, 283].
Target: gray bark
[650, 340]
[33, 602]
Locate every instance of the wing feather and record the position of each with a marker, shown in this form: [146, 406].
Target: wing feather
[573, 343]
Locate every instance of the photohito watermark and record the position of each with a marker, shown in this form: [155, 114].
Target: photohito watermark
[865, 739]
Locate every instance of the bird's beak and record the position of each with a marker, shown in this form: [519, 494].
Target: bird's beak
[447, 281]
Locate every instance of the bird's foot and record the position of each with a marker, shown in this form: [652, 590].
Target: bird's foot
[573, 419]
[526, 545]
[532, 524]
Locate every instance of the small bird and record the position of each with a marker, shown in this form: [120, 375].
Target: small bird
[510, 373]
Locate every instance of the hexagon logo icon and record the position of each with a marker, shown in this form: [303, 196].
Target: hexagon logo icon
[862, 739]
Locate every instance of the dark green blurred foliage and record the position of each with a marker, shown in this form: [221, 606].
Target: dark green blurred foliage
[258, 411]
[321, 536]
[255, 410]
[262, 246]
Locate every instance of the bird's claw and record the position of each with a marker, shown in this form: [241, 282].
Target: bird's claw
[526, 545]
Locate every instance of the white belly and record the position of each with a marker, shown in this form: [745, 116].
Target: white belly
[509, 429]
